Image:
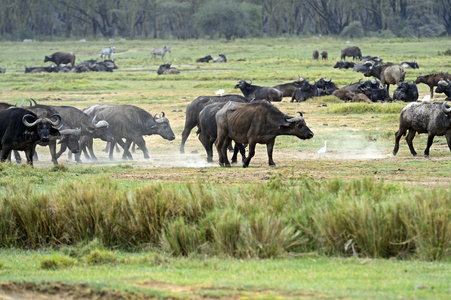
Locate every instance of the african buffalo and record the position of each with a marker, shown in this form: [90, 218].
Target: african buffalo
[256, 122]
[444, 86]
[61, 58]
[407, 92]
[343, 94]
[325, 87]
[315, 54]
[220, 58]
[324, 55]
[167, 69]
[355, 52]
[255, 92]
[131, 123]
[204, 59]
[92, 65]
[410, 65]
[194, 108]
[288, 89]
[21, 129]
[208, 131]
[306, 91]
[344, 65]
[388, 74]
[423, 117]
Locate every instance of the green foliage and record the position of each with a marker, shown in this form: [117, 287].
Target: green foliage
[353, 30]
[383, 108]
[57, 261]
[101, 257]
[230, 19]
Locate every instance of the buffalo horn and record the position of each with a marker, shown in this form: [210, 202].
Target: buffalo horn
[57, 121]
[76, 131]
[442, 82]
[154, 116]
[446, 110]
[250, 81]
[300, 113]
[238, 80]
[28, 124]
[295, 119]
[162, 114]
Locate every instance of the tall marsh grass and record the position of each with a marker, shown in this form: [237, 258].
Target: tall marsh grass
[288, 215]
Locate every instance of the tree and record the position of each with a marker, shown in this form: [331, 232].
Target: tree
[228, 18]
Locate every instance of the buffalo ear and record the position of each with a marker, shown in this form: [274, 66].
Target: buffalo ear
[285, 126]
[90, 129]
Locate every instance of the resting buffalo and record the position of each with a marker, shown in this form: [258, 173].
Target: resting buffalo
[21, 129]
[220, 58]
[410, 65]
[324, 55]
[306, 91]
[288, 89]
[167, 69]
[407, 92]
[258, 122]
[204, 59]
[363, 68]
[388, 74]
[444, 86]
[131, 123]
[344, 65]
[92, 65]
[208, 131]
[422, 117]
[195, 107]
[343, 94]
[255, 92]
[432, 80]
[325, 87]
[355, 52]
[61, 58]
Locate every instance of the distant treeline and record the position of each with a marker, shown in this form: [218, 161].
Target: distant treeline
[184, 19]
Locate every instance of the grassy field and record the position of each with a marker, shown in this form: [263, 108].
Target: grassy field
[90, 229]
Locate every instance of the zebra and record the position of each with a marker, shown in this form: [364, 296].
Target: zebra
[162, 52]
[107, 52]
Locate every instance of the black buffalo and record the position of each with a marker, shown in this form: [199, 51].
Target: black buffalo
[88, 126]
[258, 122]
[61, 58]
[407, 92]
[315, 54]
[204, 59]
[355, 52]
[325, 87]
[167, 69]
[92, 65]
[255, 92]
[432, 80]
[131, 123]
[344, 65]
[208, 131]
[410, 65]
[70, 136]
[21, 129]
[422, 117]
[195, 107]
[288, 89]
[444, 86]
[306, 91]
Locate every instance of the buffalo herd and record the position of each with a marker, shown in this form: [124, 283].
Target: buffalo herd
[246, 119]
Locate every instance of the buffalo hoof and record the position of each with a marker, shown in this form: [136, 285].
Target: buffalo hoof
[414, 155]
[426, 156]
[228, 166]
[245, 166]
[272, 166]
[394, 153]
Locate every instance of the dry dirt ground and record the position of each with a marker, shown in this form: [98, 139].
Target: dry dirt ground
[59, 291]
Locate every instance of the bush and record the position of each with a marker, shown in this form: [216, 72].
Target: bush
[353, 30]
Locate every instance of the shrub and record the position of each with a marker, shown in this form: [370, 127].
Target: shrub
[101, 257]
[57, 261]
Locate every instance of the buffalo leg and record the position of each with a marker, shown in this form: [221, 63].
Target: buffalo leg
[142, 145]
[185, 134]
[398, 136]
[4, 154]
[17, 157]
[90, 146]
[269, 150]
[409, 140]
[448, 139]
[429, 144]
[251, 154]
[52, 148]
[29, 153]
[238, 148]
[432, 91]
[208, 145]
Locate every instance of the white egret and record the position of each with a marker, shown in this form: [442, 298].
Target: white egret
[322, 150]
[220, 92]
